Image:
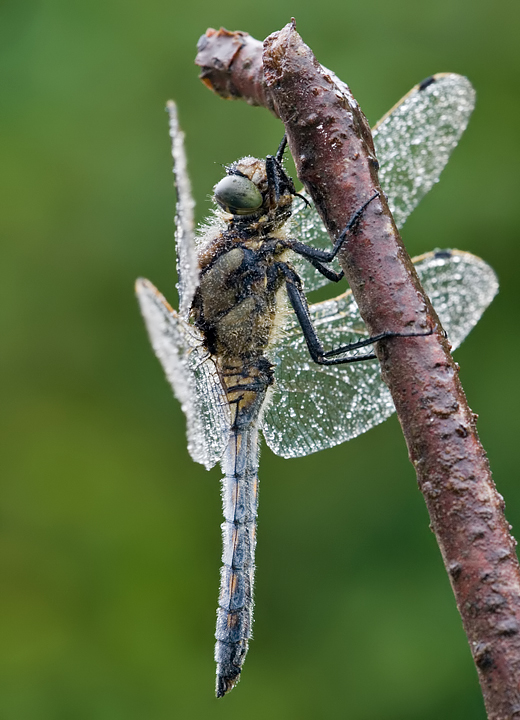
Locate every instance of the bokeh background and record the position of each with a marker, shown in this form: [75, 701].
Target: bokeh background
[110, 540]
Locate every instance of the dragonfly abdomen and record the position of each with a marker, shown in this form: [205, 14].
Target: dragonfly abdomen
[240, 502]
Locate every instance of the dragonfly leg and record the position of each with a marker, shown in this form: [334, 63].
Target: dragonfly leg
[316, 350]
[376, 338]
[330, 274]
[299, 303]
[278, 181]
[316, 256]
[281, 149]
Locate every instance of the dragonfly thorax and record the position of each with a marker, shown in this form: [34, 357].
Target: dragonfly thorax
[236, 302]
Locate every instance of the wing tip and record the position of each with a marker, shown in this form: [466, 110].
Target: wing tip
[142, 286]
[171, 109]
[424, 85]
[146, 289]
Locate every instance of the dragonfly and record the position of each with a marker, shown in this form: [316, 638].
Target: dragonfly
[240, 362]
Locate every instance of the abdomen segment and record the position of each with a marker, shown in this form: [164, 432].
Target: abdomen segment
[240, 501]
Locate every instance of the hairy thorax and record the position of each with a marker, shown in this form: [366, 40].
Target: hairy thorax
[236, 302]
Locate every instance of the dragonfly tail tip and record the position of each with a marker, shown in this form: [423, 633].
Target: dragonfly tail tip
[225, 684]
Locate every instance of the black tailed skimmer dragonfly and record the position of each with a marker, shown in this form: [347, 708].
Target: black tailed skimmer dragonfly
[238, 360]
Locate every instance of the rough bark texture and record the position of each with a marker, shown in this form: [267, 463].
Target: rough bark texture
[220, 54]
[332, 147]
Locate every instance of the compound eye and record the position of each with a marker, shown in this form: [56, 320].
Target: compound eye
[238, 195]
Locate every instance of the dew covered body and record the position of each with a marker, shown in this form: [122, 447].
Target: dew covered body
[240, 362]
[236, 308]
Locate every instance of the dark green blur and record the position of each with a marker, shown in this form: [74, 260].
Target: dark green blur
[110, 539]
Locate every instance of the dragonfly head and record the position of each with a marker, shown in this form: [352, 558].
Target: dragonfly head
[256, 190]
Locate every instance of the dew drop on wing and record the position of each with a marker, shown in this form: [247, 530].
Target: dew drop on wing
[336, 404]
[414, 141]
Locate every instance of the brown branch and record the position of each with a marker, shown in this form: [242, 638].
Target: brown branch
[220, 54]
[332, 147]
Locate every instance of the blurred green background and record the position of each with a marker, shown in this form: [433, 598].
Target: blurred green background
[110, 540]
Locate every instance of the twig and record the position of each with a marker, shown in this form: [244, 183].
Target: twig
[332, 147]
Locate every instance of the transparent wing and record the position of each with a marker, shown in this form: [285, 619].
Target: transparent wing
[413, 142]
[416, 138]
[186, 255]
[191, 373]
[313, 407]
[460, 286]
